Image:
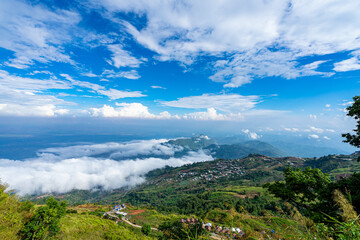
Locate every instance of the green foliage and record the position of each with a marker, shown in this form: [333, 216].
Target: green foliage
[354, 111]
[305, 188]
[45, 221]
[146, 229]
[348, 230]
[177, 230]
[12, 214]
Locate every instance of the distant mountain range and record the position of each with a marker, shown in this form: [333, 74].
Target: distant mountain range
[244, 148]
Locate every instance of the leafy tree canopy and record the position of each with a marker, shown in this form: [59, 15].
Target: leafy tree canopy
[354, 111]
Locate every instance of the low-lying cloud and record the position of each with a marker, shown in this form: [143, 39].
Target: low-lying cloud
[64, 169]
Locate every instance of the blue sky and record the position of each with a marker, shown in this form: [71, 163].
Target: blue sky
[262, 66]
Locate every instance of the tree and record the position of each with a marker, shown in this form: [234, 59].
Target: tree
[174, 229]
[307, 189]
[354, 111]
[45, 221]
[11, 219]
[146, 229]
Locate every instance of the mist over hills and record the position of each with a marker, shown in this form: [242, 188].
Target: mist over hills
[111, 165]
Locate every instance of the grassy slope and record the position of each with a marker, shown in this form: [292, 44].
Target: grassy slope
[84, 226]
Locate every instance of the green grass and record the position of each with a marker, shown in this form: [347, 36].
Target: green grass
[84, 226]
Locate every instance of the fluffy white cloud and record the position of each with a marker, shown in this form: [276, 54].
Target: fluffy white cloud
[122, 58]
[211, 114]
[251, 135]
[223, 102]
[128, 110]
[317, 130]
[314, 136]
[62, 170]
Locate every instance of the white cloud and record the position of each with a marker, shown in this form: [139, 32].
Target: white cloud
[158, 87]
[61, 170]
[128, 110]
[243, 67]
[317, 130]
[89, 74]
[125, 150]
[23, 96]
[244, 31]
[35, 33]
[291, 129]
[327, 105]
[30, 84]
[117, 94]
[132, 74]
[111, 93]
[347, 65]
[251, 135]
[314, 136]
[346, 103]
[223, 102]
[122, 58]
[211, 114]
[327, 138]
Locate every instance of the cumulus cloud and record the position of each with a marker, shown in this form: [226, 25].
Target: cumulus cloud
[251, 135]
[211, 114]
[315, 129]
[314, 136]
[128, 110]
[64, 169]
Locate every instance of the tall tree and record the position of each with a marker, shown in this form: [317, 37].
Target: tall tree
[354, 111]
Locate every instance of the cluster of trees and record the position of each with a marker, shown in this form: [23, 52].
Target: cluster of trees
[23, 220]
[312, 192]
[333, 204]
[175, 229]
[45, 221]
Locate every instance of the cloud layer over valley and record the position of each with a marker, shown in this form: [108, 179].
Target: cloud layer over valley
[94, 166]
